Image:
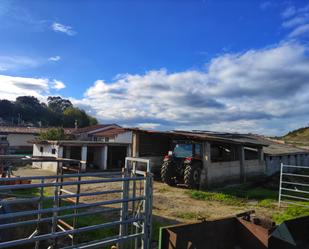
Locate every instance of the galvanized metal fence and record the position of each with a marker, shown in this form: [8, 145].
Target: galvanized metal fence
[294, 185]
[79, 210]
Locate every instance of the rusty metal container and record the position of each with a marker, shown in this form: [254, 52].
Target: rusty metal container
[238, 232]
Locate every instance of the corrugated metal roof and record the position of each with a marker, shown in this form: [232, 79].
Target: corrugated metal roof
[278, 147]
[209, 136]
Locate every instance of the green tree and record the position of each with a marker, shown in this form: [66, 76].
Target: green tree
[29, 108]
[7, 109]
[58, 104]
[54, 134]
[72, 115]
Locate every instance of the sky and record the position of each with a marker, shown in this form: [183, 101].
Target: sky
[233, 66]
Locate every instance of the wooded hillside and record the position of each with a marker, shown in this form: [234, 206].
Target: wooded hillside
[56, 112]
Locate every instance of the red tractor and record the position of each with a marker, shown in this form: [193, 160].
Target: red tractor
[183, 164]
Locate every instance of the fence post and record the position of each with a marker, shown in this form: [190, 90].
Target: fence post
[146, 243]
[123, 230]
[280, 184]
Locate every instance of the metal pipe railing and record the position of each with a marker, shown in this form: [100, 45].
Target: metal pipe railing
[58, 223]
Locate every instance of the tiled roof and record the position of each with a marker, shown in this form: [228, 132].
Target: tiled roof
[27, 130]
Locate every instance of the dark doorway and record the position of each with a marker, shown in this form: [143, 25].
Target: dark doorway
[116, 157]
[73, 152]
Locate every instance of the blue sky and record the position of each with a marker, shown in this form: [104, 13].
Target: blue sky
[218, 65]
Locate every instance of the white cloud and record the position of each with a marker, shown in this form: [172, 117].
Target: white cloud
[8, 63]
[236, 92]
[58, 85]
[299, 31]
[54, 58]
[13, 86]
[296, 19]
[58, 27]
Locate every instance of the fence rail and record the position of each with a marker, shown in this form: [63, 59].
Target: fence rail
[49, 211]
[294, 185]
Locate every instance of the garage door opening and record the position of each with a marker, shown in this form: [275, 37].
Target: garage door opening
[116, 157]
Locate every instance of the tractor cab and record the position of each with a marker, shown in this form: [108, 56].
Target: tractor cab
[183, 164]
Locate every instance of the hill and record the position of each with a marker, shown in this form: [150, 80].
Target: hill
[29, 111]
[298, 137]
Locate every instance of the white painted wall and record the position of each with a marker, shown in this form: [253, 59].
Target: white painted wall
[47, 152]
[20, 139]
[125, 137]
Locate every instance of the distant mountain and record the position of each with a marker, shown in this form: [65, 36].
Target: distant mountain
[298, 137]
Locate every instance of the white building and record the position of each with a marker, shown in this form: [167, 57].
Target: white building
[102, 147]
[18, 138]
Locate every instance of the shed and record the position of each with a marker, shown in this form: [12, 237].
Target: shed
[227, 157]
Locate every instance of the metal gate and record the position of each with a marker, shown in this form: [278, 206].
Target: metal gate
[78, 210]
[294, 185]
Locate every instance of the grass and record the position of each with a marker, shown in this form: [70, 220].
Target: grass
[237, 195]
[267, 203]
[291, 212]
[215, 196]
[240, 195]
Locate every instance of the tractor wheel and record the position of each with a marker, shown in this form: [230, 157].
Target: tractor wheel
[192, 175]
[168, 173]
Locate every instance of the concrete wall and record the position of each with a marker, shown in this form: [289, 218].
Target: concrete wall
[47, 152]
[273, 163]
[155, 163]
[221, 172]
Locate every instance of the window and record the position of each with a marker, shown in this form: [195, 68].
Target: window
[107, 139]
[183, 150]
[53, 151]
[3, 138]
[198, 150]
[41, 149]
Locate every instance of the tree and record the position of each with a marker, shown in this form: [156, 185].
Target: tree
[54, 134]
[58, 104]
[73, 114]
[7, 109]
[58, 112]
[29, 108]
[92, 120]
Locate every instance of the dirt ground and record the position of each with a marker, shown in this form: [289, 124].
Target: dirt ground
[170, 204]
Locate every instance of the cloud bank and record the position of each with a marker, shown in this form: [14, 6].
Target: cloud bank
[12, 87]
[234, 92]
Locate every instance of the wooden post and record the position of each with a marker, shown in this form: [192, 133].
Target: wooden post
[261, 159]
[84, 157]
[242, 163]
[135, 144]
[205, 176]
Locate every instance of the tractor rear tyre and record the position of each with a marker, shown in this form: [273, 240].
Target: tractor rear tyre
[192, 175]
[168, 173]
